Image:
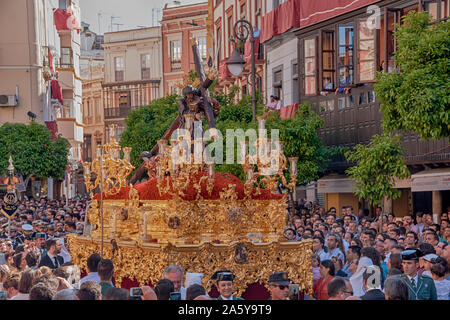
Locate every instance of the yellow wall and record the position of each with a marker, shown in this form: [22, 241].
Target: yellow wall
[338, 200]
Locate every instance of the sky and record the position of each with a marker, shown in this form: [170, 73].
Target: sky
[132, 13]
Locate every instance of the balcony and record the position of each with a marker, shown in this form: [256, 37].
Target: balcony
[117, 113]
[175, 66]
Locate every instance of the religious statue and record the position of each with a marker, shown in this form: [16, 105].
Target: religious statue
[194, 101]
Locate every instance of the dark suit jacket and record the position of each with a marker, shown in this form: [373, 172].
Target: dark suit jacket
[46, 261]
[374, 294]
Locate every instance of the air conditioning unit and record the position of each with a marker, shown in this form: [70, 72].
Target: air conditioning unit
[10, 100]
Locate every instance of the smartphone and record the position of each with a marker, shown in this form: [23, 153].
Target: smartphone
[293, 292]
[3, 295]
[175, 296]
[136, 292]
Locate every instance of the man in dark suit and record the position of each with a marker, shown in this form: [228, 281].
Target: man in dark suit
[52, 259]
[372, 284]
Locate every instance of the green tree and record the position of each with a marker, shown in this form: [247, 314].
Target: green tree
[376, 166]
[147, 124]
[418, 97]
[300, 138]
[33, 151]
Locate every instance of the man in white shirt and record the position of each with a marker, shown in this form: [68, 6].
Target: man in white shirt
[92, 264]
[333, 248]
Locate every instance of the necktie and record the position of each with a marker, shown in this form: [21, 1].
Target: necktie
[413, 284]
[56, 262]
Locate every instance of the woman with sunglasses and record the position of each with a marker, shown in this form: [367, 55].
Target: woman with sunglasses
[326, 273]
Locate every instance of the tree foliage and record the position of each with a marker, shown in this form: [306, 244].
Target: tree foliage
[377, 165]
[32, 150]
[418, 97]
[147, 124]
[300, 138]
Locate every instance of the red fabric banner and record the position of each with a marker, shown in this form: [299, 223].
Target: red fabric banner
[50, 60]
[53, 127]
[312, 12]
[288, 15]
[223, 70]
[288, 111]
[65, 20]
[57, 91]
[248, 49]
[269, 25]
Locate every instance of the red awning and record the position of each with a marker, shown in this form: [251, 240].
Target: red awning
[288, 111]
[53, 127]
[288, 15]
[248, 49]
[57, 91]
[312, 12]
[65, 20]
[269, 24]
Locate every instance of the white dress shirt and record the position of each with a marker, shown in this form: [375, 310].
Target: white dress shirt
[91, 276]
[356, 279]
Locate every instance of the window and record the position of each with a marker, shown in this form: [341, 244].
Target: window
[328, 69]
[310, 67]
[230, 33]
[387, 47]
[437, 8]
[278, 82]
[87, 148]
[119, 68]
[66, 58]
[145, 66]
[201, 43]
[175, 55]
[219, 45]
[175, 51]
[275, 4]
[345, 58]
[295, 97]
[366, 53]
[124, 100]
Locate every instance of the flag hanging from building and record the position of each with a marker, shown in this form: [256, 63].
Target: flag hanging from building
[57, 91]
[65, 20]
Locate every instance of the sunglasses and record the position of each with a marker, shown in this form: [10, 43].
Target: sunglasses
[283, 287]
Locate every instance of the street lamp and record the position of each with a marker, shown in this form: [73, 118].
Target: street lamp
[236, 62]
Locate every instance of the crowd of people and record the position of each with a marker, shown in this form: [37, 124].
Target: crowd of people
[358, 257]
[355, 257]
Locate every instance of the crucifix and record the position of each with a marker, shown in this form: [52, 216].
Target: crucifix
[194, 101]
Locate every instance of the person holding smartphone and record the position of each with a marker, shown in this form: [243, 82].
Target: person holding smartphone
[225, 285]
